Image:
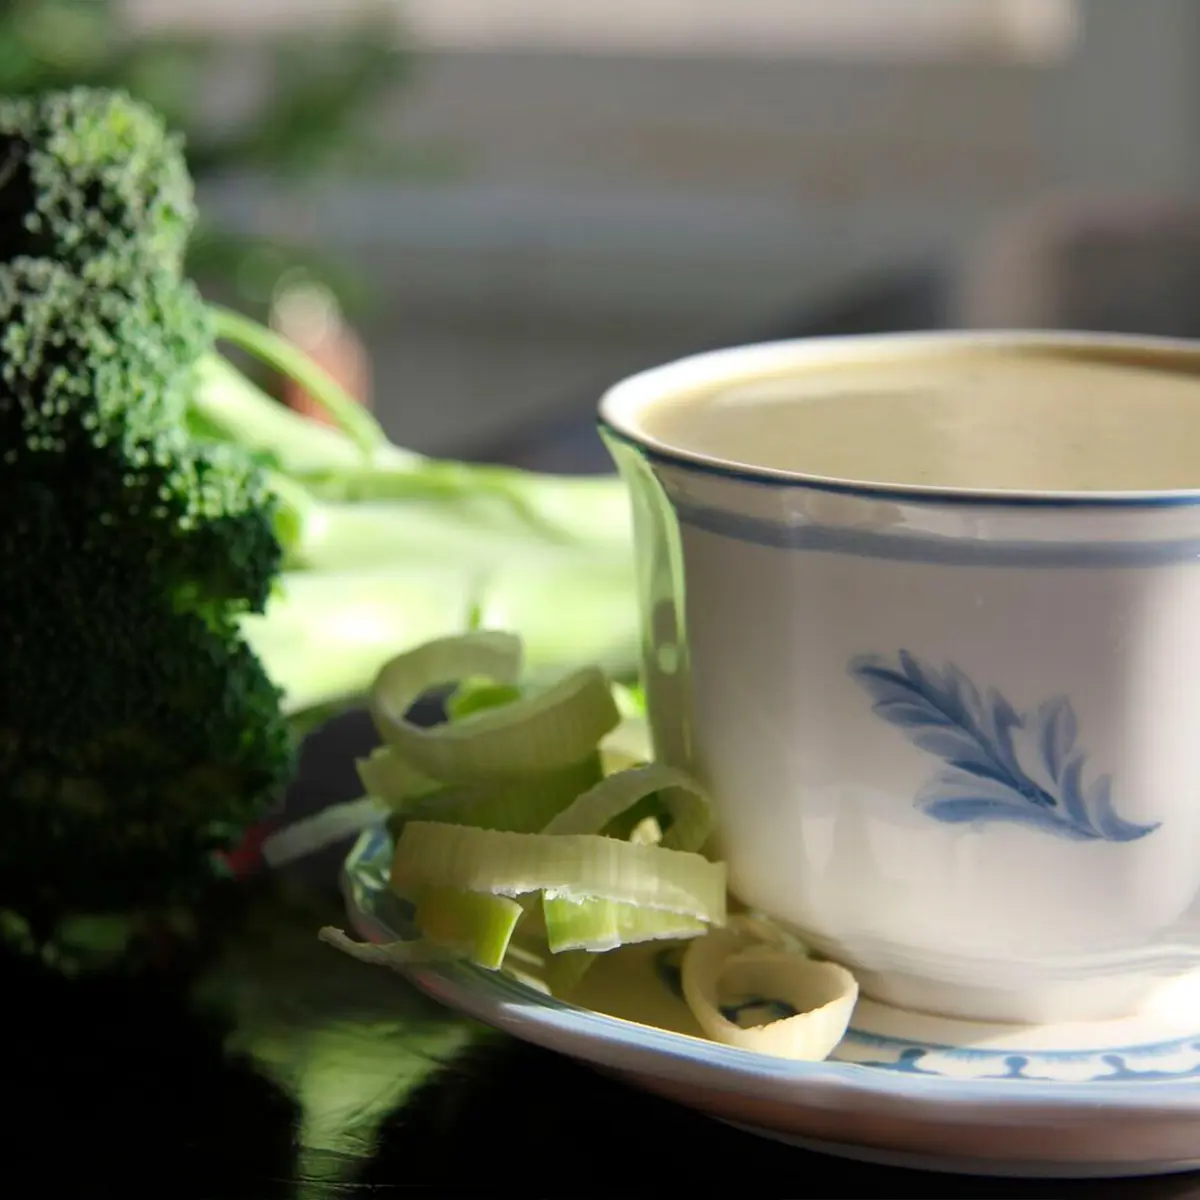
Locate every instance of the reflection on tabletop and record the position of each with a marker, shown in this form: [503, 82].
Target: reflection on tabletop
[278, 1067]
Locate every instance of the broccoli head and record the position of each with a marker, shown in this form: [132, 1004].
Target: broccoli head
[141, 544]
[95, 382]
[138, 732]
[93, 179]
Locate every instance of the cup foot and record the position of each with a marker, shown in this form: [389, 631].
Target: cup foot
[1046, 1004]
[990, 990]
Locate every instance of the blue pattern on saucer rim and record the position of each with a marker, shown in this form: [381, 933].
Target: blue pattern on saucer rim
[1113, 1060]
[1021, 1080]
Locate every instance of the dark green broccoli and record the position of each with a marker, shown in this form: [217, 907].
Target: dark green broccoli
[93, 179]
[134, 714]
[96, 383]
[189, 568]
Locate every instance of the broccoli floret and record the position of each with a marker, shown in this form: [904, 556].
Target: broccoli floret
[93, 179]
[137, 734]
[95, 386]
[138, 731]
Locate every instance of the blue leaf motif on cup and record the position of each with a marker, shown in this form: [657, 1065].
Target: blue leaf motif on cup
[999, 764]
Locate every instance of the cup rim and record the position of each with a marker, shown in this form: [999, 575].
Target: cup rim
[623, 403]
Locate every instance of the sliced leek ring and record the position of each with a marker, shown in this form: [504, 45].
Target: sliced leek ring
[542, 731]
[505, 816]
[392, 781]
[629, 745]
[733, 963]
[478, 926]
[431, 854]
[684, 800]
[521, 805]
[396, 955]
[598, 925]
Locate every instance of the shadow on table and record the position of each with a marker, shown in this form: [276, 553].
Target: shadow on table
[539, 1125]
[284, 1069]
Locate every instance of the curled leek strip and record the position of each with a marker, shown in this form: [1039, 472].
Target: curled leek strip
[388, 778]
[602, 923]
[626, 746]
[431, 854]
[691, 817]
[505, 817]
[477, 926]
[599, 925]
[520, 806]
[314, 833]
[543, 731]
[733, 964]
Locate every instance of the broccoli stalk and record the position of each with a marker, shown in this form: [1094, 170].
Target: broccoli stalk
[384, 548]
[193, 572]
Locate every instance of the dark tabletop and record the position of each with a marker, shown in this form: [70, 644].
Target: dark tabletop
[280, 1068]
[273, 1066]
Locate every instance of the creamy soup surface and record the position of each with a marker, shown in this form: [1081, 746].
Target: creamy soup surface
[992, 420]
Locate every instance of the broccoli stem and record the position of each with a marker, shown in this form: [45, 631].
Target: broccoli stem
[325, 635]
[385, 549]
[467, 526]
[359, 425]
[227, 405]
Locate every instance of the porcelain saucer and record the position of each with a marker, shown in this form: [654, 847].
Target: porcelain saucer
[1100, 1099]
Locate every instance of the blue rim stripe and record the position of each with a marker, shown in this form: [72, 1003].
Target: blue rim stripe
[888, 1041]
[910, 495]
[930, 548]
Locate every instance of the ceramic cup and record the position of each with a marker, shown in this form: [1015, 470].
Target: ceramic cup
[952, 735]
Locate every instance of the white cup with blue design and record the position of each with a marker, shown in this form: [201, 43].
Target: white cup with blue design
[923, 613]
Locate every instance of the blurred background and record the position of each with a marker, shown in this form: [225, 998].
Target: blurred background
[514, 202]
